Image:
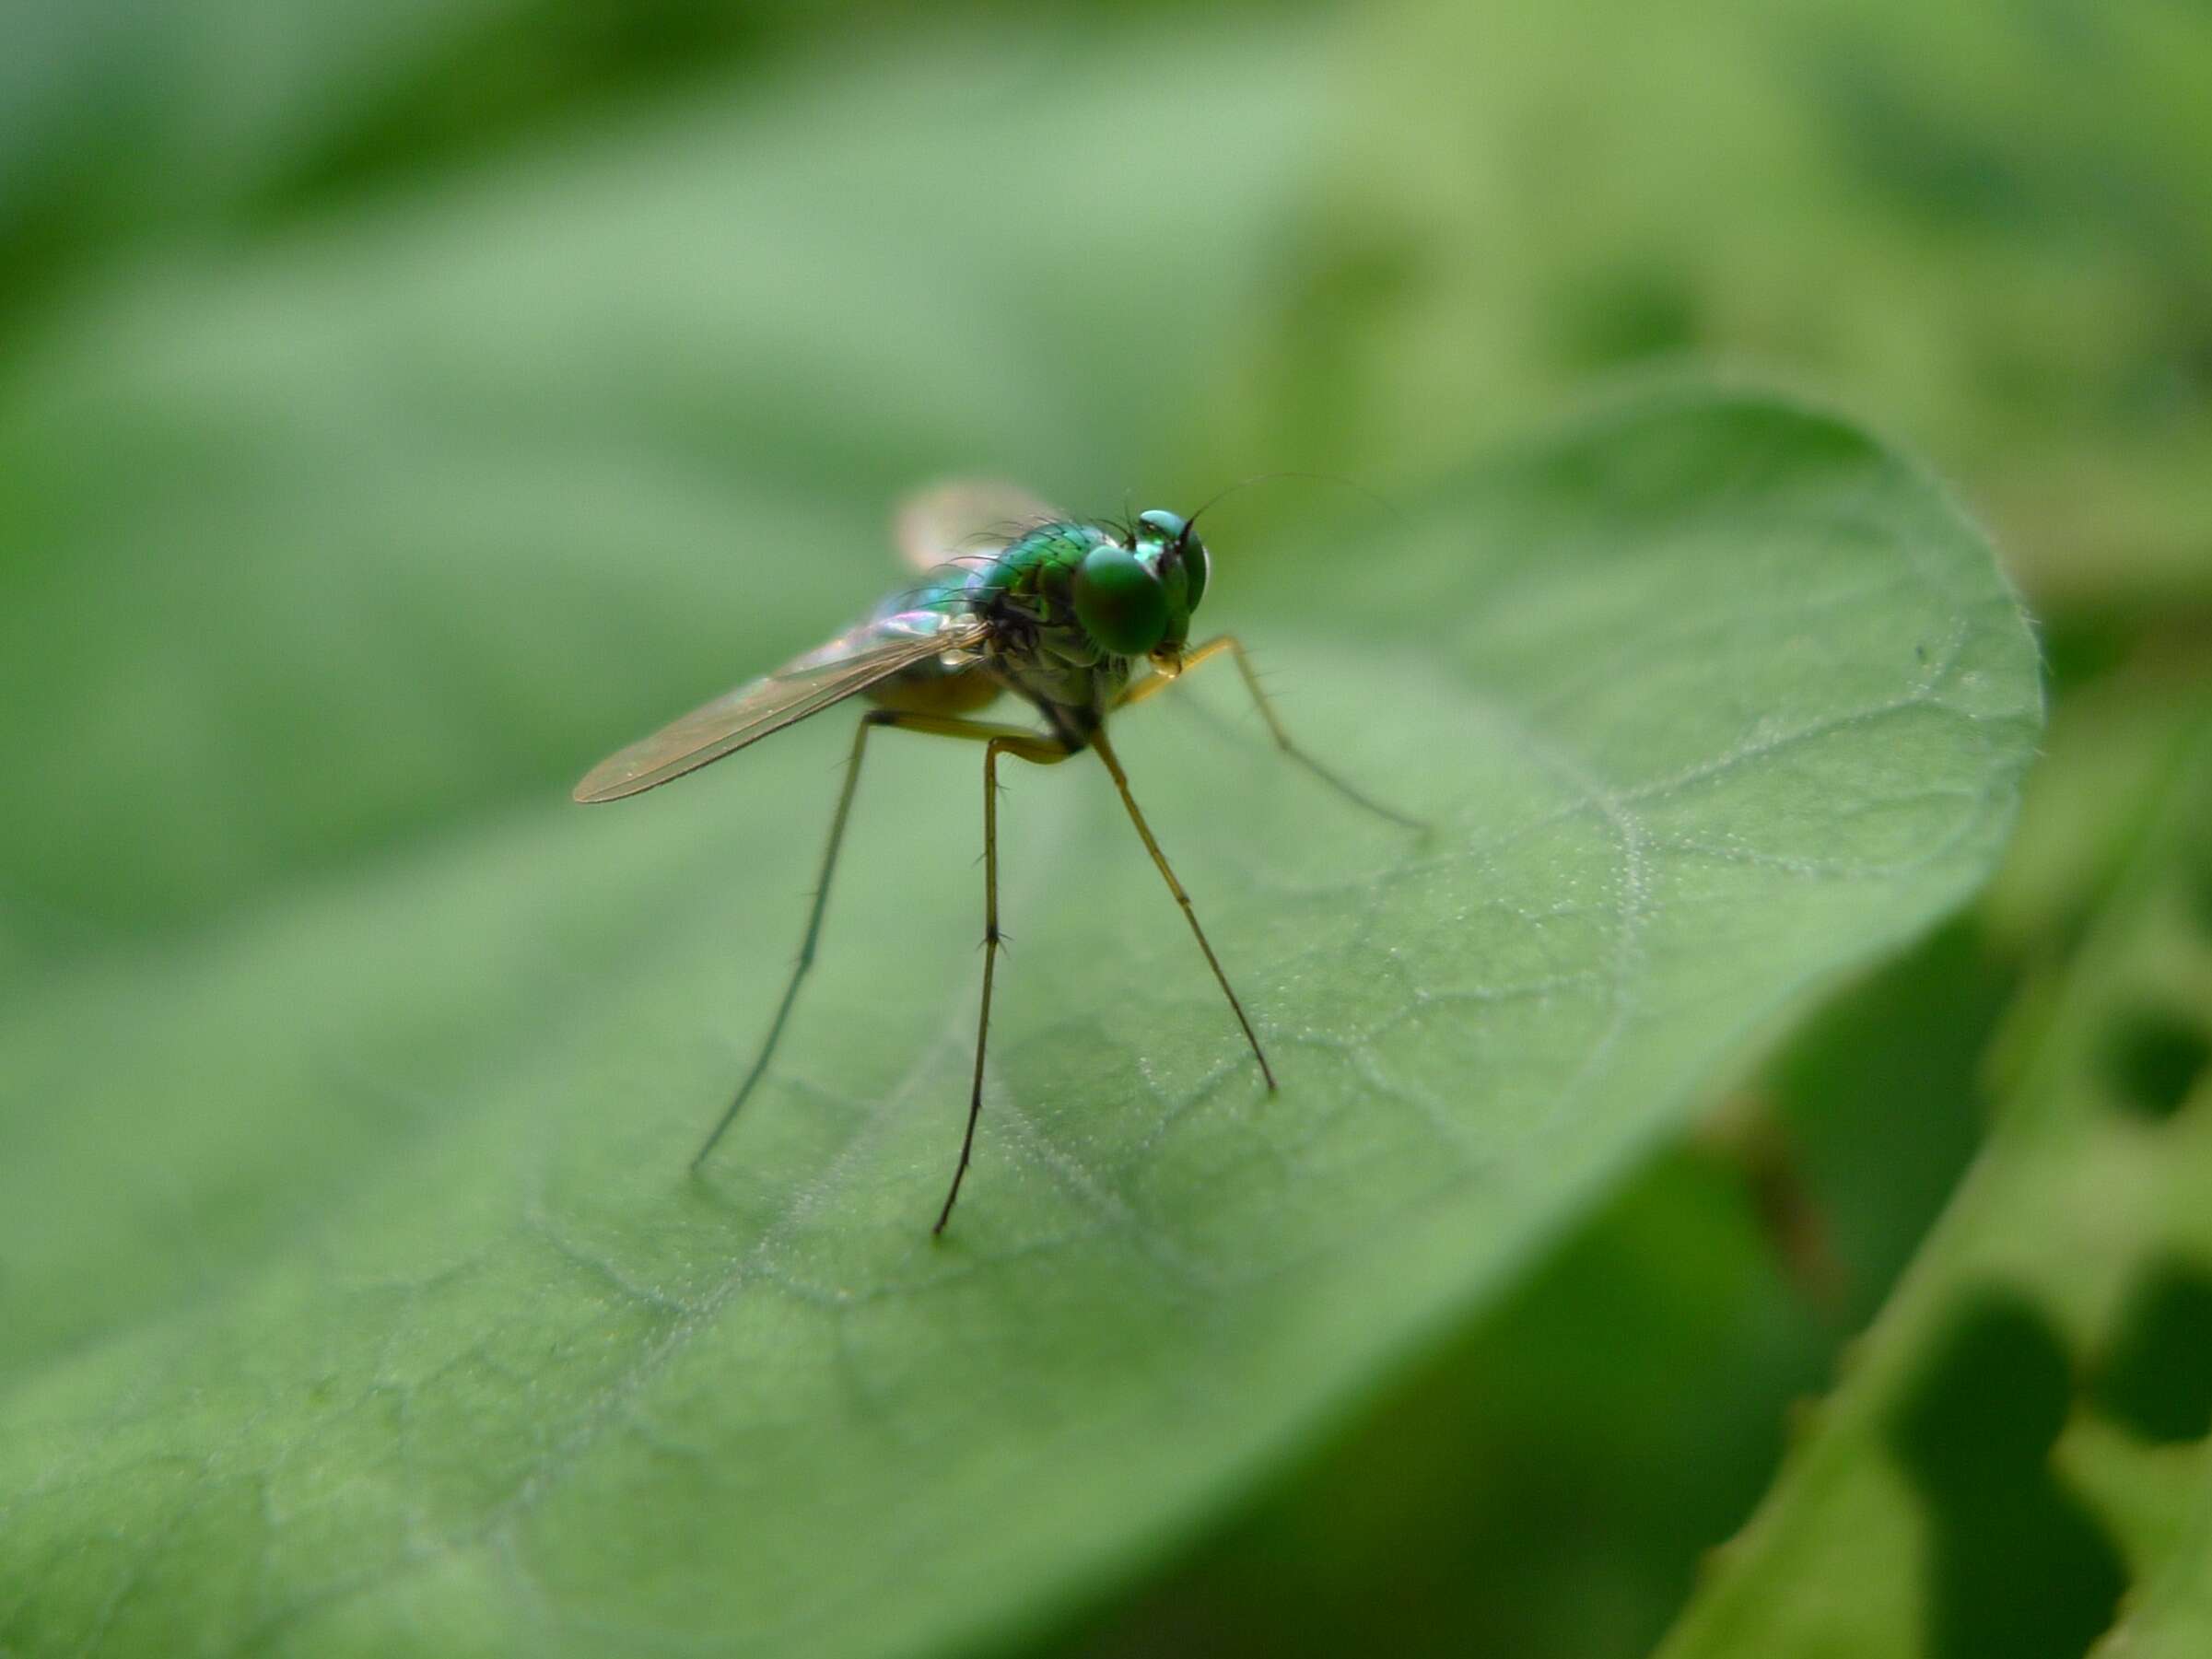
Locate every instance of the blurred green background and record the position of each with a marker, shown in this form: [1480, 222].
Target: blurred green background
[410, 291]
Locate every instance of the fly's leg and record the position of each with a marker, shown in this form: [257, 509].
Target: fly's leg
[869, 721]
[1038, 750]
[1156, 682]
[1015, 741]
[1190, 915]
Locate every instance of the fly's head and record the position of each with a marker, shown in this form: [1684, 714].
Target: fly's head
[1136, 599]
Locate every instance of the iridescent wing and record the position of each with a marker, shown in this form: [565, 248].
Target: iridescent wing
[857, 658]
[964, 517]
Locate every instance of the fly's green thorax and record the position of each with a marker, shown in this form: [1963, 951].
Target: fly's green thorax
[1074, 604]
[1072, 607]
[1040, 648]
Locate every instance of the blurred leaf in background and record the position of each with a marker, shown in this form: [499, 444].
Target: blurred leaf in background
[404, 405]
[1992, 223]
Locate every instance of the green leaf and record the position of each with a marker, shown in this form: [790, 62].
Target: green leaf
[2024, 1431]
[356, 1296]
[2173, 1617]
[1706, 699]
[1591, 1436]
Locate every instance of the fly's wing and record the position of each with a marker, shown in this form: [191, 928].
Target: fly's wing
[853, 661]
[964, 516]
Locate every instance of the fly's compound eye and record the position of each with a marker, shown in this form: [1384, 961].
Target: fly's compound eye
[1198, 564]
[1120, 603]
[1180, 547]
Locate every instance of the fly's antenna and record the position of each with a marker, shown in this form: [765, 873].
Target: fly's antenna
[1388, 506]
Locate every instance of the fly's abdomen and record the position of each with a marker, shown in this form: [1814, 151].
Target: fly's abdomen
[930, 689]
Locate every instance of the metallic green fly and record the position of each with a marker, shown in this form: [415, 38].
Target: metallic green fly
[1015, 597]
